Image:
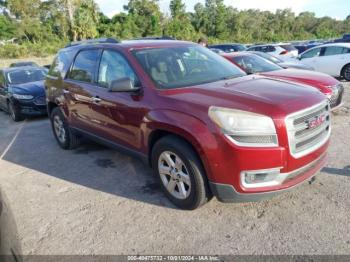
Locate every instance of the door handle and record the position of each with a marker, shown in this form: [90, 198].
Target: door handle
[96, 100]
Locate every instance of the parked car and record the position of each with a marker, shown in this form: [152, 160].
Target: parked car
[285, 64]
[229, 48]
[284, 49]
[28, 63]
[215, 50]
[332, 59]
[204, 126]
[344, 39]
[10, 246]
[253, 64]
[22, 91]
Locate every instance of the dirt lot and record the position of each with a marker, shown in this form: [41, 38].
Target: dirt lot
[97, 201]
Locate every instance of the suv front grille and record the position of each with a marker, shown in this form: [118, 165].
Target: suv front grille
[308, 129]
[337, 95]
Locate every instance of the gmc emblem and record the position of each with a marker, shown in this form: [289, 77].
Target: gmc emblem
[315, 122]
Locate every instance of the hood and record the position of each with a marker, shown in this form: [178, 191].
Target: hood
[32, 88]
[295, 65]
[321, 81]
[258, 94]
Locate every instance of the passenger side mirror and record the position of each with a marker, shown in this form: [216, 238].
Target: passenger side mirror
[124, 84]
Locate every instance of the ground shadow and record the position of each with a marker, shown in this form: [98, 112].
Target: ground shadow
[337, 171]
[91, 165]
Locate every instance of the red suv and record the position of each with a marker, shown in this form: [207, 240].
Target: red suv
[203, 125]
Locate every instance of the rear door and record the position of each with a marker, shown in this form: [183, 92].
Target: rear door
[332, 60]
[79, 87]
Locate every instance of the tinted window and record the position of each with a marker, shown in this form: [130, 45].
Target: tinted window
[61, 64]
[311, 53]
[333, 50]
[346, 50]
[113, 66]
[288, 47]
[21, 76]
[85, 66]
[255, 64]
[185, 66]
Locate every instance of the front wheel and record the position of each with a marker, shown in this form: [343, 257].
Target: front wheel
[346, 72]
[180, 173]
[14, 113]
[63, 134]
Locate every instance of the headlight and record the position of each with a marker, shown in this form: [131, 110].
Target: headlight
[23, 97]
[245, 128]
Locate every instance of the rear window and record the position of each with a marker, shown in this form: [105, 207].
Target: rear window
[288, 47]
[255, 64]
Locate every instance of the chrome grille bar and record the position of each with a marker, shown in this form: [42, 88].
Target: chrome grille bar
[308, 129]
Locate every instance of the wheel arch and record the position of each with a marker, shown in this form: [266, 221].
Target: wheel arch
[343, 68]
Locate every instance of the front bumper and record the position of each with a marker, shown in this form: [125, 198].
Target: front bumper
[30, 108]
[227, 193]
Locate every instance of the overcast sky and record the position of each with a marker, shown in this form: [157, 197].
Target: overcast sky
[338, 9]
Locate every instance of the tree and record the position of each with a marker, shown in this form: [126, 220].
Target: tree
[7, 28]
[86, 18]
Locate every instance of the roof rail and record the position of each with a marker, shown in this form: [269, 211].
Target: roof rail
[164, 37]
[93, 41]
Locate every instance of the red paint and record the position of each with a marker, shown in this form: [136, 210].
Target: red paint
[130, 119]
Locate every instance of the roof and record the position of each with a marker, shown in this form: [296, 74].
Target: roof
[335, 44]
[20, 68]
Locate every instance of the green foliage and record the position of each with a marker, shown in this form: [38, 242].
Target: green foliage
[42, 27]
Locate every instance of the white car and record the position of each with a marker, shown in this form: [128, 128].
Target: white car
[332, 59]
[282, 49]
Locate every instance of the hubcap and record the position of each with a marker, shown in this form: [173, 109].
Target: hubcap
[174, 175]
[347, 72]
[59, 129]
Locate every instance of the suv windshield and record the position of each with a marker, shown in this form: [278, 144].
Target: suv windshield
[25, 76]
[183, 66]
[255, 64]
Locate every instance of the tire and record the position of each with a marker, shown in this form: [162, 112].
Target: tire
[346, 72]
[187, 182]
[64, 136]
[14, 113]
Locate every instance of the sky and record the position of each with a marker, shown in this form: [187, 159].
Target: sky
[338, 9]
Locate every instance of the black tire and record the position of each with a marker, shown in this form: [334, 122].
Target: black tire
[345, 73]
[199, 193]
[71, 140]
[14, 113]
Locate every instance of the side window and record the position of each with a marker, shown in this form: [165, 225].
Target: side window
[333, 50]
[61, 64]
[346, 50]
[271, 48]
[85, 66]
[311, 53]
[113, 67]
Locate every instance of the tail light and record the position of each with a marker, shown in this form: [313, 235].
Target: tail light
[284, 52]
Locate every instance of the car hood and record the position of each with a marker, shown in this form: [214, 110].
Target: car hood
[321, 81]
[32, 88]
[272, 97]
[295, 65]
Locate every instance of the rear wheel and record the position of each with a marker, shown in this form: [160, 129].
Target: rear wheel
[63, 134]
[14, 113]
[180, 173]
[346, 72]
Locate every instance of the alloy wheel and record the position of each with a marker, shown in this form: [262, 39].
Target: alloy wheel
[174, 175]
[347, 73]
[59, 129]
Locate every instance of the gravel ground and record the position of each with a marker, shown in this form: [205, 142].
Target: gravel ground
[94, 200]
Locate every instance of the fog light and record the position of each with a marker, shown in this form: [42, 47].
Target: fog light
[260, 178]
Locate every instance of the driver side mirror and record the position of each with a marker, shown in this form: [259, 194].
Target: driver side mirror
[299, 57]
[124, 84]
